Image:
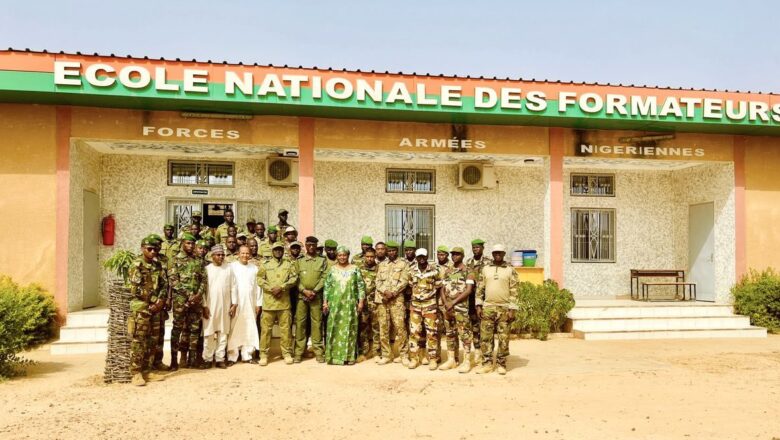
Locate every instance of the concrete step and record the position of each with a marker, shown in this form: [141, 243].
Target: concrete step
[59, 348]
[749, 332]
[647, 324]
[88, 318]
[648, 311]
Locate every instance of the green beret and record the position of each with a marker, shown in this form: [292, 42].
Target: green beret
[331, 243]
[277, 245]
[366, 240]
[477, 241]
[410, 244]
[442, 248]
[273, 229]
[148, 241]
[155, 237]
[457, 250]
[392, 244]
[187, 237]
[168, 226]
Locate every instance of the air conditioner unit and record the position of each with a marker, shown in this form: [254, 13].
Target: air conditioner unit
[281, 171]
[476, 175]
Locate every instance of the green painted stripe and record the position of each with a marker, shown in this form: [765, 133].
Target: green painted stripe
[38, 87]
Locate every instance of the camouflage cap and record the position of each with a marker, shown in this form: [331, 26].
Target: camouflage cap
[273, 229]
[392, 244]
[442, 248]
[477, 241]
[251, 221]
[289, 230]
[410, 244]
[331, 243]
[366, 240]
[296, 243]
[168, 226]
[457, 250]
[277, 245]
[196, 214]
[187, 237]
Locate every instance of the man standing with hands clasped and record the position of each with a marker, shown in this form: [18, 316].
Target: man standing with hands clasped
[311, 280]
[496, 305]
[276, 276]
[216, 309]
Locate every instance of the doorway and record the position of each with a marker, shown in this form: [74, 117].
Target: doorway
[91, 243]
[701, 249]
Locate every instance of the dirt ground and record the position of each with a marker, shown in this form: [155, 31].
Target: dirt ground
[559, 389]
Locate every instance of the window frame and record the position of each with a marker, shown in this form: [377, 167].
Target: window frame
[613, 244]
[576, 174]
[200, 163]
[432, 251]
[432, 171]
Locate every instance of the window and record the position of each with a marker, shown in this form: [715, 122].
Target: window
[200, 173]
[597, 185]
[411, 222]
[592, 235]
[411, 181]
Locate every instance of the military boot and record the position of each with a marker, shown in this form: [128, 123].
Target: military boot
[153, 377]
[501, 370]
[183, 359]
[193, 361]
[465, 365]
[138, 380]
[450, 363]
[174, 361]
[263, 360]
[413, 362]
[477, 356]
[432, 364]
[383, 361]
[487, 368]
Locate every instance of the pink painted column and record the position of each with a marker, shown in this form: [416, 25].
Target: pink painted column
[305, 177]
[740, 215]
[556, 204]
[62, 141]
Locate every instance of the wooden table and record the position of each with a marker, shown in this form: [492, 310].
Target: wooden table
[636, 274]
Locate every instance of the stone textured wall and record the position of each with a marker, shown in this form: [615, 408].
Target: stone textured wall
[350, 201]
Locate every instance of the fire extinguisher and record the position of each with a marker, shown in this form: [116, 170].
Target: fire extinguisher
[108, 230]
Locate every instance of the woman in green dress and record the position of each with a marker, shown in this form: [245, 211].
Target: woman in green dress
[344, 296]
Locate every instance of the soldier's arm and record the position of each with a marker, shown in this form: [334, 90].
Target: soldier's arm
[403, 282]
[480, 297]
[173, 277]
[292, 277]
[262, 280]
[203, 289]
[361, 286]
[321, 281]
[470, 283]
[135, 280]
[514, 282]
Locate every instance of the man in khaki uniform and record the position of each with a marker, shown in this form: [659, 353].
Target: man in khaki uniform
[170, 245]
[496, 306]
[311, 280]
[365, 243]
[276, 276]
[330, 251]
[265, 247]
[475, 265]
[222, 230]
[391, 281]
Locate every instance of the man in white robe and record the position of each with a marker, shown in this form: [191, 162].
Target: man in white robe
[217, 306]
[247, 300]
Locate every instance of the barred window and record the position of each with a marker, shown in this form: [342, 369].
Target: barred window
[597, 185]
[194, 173]
[592, 235]
[411, 181]
[411, 222]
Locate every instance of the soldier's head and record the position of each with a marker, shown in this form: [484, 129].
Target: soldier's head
[273, 234]
[195, 229]
[232, 231]
[218, 254]
[421, 255]
[278, 251]
[381, 250]
[229, 216]
[196, 217]
[187, 243]
[250, 225]
[392, 250]
[365, 243]
[148, 249]
[260, 229]
[330, 249]
[477, 247]
[409, 249]
[232, 244]
[244, 254]
[290, 234]
[342, 255]
[210, 240]
[252, 244]
[282, 216]
[457, 255]
[201, 248]
[241, 237]
[498, 253]
[311, 245]
[295, 249]
[442, 254]
[320, 250]
[369, 257]
[168, 231]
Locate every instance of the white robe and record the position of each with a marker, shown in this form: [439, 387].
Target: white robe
[247, 295]
[218, 298]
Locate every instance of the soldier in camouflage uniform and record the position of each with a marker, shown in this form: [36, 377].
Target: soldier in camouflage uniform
[170, 246]
[442, 258]
[425, 281]
[222, 230]
[158, 326]
[368, 331]
[496, 306]
[458, 284]
[276, 276]
[265, 247]
[250, 228]
[187, 277]
[391, 281]
[475, 265]
[147, 287]
[330, 251]
[365, 243]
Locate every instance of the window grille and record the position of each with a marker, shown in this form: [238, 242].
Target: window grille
[593, 235]
[192, 173]
[411, 222]
[597, 185]
[411, 181]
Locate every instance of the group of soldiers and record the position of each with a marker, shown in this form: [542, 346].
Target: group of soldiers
[410, 302]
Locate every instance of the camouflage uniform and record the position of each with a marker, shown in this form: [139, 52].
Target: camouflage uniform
[454, 283]
[147, 285]
[187, 276]
[160, 331]
[276, 273]
[475, 267]
[222, 232]
[170, 248]
[265, 249]
[495, 310]
[393, 277]
[424, 310]
[368, 334]
[357, 260]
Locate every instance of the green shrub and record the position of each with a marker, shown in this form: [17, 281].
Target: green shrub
[543, 308]
[757, 295]
[27, 319]
[119, 263]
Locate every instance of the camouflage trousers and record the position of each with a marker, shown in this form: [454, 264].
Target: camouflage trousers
[495, 322]
[426, 321]
[187, 324]
[392, 312]
[475, 322]
[368, 330]
[458, 326]
[144, 342]
[160, 332]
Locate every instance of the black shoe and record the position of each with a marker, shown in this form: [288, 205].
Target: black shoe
[221, 365]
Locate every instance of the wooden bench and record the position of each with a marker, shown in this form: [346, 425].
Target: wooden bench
[691, 287]
[636, 274]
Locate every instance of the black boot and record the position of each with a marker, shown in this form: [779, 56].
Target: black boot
[183, 359]
[192, 361]
[174, 362]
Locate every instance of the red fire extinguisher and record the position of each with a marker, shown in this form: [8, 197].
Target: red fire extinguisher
[108, 230]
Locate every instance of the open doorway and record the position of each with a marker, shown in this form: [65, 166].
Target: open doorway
[214, 213]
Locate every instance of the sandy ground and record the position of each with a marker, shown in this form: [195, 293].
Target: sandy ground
[559, 389]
